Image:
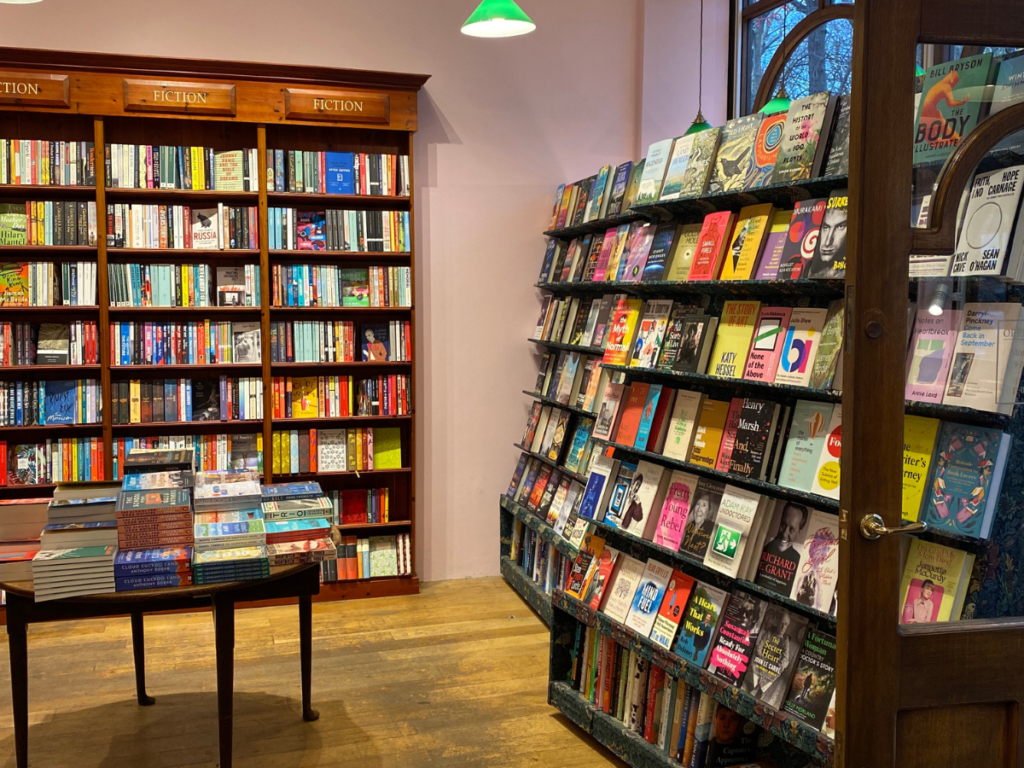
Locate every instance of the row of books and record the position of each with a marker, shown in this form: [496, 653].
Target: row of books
[75, 459]
[145, 166]
[212, 452]
[759, 243]
[154, 227]
[338, 173]
[311, 397]
[336, 450]
[46, 403]
[334, 341]
[809, 140]
[370, 558]
[183, 285]
[358, 506]
[147, 401]
[39, 222]
[199, 342]
[45, 284]
[27, 344]
[43, 163]
[327, 285]
[292, 229]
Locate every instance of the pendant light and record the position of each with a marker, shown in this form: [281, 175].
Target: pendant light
[699, 123]
[781, 101]
[19, 2]
[498, 18]
[919, 72]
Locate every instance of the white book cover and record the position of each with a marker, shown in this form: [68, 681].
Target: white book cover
[648, 596]
[619, 597]
[205, 226]
[736, 514]
[332, 450]
[677, 166]
[552, 427]
[650, 334]
[682, 425]
[982, 349]
[644, 498]
[818, 570]
[803, 448]
[988, 223]
[654, 171]
[800, 347]
[826, 476]
[542, 427]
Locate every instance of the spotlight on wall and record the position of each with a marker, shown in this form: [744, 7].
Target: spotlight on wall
[940, 297]
[498, 18]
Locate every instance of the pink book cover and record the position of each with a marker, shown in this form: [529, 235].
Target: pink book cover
[638, 252]
[930, 353]
[676, 509]
[714, 234]
[732, 423]
[771, 256]
[766, 347]
[602, 260]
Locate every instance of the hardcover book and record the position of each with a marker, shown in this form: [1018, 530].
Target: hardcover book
[619, 596]
[802, 152]
[732, 421]
[747, 241]
[974, 375]
[601, 569]
[814, 681]
[818, 570]
[931, 351]
[774, 245]
[682, 425]
[737, 635]
[590, 549]
[622, 331]
[618, 188]
[639, 249]
[755, 435]
[700, 620]
[829, 260]
[805, 444]
[935, 583]
[780, 557]
[650, 334]
[205, 229]
[802, 238]
[607, 423]
[702, 156]
[732, 342]
[918, 450]
[736, 513]
[711, 245]
[766, 150]
[697, 336]
[965, 479]
[673, 604]
[675, 510]
[839, 147]
[735, 154]
[830, 347]
[710, 427]
[700, 525]
[662, 247]
[595, 495]
[776, 652]
[648, 596]
[644, 499]
[672, 188]
[766, 347]
[681, 258]
[951, 106]
[655, 165]
[826, 476]
[800, 347]
[633, 412]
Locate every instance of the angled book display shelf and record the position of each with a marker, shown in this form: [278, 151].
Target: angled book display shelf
[212, 254]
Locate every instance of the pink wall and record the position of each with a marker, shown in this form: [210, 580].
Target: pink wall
[502, 123]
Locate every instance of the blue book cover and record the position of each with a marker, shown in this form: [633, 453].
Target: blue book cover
[661, 247]
[243, 528]
[61, 401]
[700, 620]
[647, 417]
[339, 173]
[152, 581]
[279, 491]
[966, 477]
[295, 526]
[600, 476]
[84, 503]
[94, 526]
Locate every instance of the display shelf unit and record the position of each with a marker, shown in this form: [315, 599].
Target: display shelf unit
[767, 289]
[569, 612]
[270, 107]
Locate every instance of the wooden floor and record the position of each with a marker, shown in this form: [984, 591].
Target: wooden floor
[455, 676]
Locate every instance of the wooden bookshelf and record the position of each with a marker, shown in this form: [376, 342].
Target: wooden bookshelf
[272, 107]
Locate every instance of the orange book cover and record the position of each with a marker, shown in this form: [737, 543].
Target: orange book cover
[632, 412]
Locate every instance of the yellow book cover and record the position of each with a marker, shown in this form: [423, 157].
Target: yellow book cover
[710, 427]
[350, 454]
[732, 342]
[286, 453]
[681, 257]
[276, 448]
[918, 446]
[360, 459]
[305, 397]
[259, 451]
[935, 583]
[619, 247]
[74, 460]
[624, 321]
[747, 241]
[387, 448]
[135, 401]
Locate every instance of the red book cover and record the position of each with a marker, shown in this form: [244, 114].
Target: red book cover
[655, 682]
[609, 676]
[711, 244]
[633, 410]
[732, 422]
[312, 451]
[670, 615]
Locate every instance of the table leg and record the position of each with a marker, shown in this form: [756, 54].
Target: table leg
[17, 642]
[306, 656]
[224, 629]
[139, 648]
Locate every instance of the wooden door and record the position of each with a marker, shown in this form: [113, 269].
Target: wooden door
[930, 695]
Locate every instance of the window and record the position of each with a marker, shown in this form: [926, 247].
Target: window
[822, 62]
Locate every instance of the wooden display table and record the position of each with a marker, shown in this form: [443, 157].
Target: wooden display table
[301, 581]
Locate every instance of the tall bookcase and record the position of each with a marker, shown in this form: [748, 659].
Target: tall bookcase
[108, 99]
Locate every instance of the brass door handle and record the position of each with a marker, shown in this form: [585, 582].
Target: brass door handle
[872, 527]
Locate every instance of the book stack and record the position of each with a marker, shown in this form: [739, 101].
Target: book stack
[153, 568]
[21, 525]
[298, 520]
[59, 573]
[213, 452]
[154, 506]
[216, 566]
[227, 510]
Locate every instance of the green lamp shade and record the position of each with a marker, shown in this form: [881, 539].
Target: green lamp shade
[498, 18]
[919, 72]
[779, 104]
[698, 125]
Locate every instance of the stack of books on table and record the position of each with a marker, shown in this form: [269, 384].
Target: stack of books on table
[21, 521]
[230, 538]
[298, 522]
[153, 568]
[59, 573]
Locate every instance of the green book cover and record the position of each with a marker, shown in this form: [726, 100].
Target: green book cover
[13, 229]
[80, 553]
[951, 105]
[387, 448]
[383, 556]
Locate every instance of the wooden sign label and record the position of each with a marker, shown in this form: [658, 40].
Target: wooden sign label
[37, 90]
[169, 96]
[338, 106]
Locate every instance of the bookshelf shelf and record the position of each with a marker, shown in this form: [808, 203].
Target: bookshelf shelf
[556, 404]
[783, 726]
[55, 428]
[359, 473]
[46, 369]
[539, 526]
[567, 347]
[340, 420]
[537, 598]
[773, 289]
[544, 459]
[375, 526]
[594, 227]
[258, 121]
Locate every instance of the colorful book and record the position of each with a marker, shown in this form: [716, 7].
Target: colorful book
[826, 475]
[622, 332]
[919, 434]
[710, 428]
[650, 334]
[702, 156]
[700, 525]
[639, 250]
[931, 352]
[818, 569]
[732, 342]
[747, 241]
[675, 510]
[648, 596]
[766, 346]
[814, 681]
[951, 106]
[804, 446]
[774, 245]
[802, 238]
[935, 583]
[700, 620]
[735, 154]
[829, 260]
[766, 150]
[711, 245]
[737, 635]
[804, 140]
[673, 604]
[800, 347]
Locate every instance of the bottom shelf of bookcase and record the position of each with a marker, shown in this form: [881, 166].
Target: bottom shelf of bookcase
[388, 586]
[530, 591]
